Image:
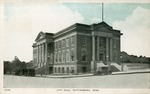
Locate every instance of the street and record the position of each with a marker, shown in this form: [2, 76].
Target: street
[140, 80]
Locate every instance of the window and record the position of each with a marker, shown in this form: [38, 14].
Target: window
[67, 42]
[51, 58]
[55, 70]
[72, 55]
[63, 43]
[58, 69]
[116, 44]
[84, 55]
[72, 40]
[55, 45]
[68, 55]
[59, 44]
[83, 40]
[72, 70]
[59, 57]
[67, 69]
[55, 57]
[63, 56]
[102, 42]
[63, 70]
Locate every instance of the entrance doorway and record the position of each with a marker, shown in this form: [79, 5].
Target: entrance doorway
[83, 69]
[102, 57]
[50, 70]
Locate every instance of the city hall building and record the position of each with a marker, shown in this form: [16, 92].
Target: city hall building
[76, 49]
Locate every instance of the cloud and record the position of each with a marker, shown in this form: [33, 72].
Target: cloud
[136, 32]
[23, 23]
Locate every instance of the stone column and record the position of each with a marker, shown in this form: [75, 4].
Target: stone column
[46, 54]
[109, 64]
[37, 54]
[107, 50]
[98, 48]
[110, 49]
[93, 50]
[40, 53]
[93, 63]
[43, 54]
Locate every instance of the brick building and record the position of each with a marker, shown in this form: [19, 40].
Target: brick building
[76, 49]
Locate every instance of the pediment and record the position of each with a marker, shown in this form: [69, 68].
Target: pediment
[40, 36]
[102, 27]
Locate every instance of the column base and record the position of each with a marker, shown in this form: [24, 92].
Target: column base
[93, 66]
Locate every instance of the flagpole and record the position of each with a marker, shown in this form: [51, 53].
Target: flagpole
[102, 13]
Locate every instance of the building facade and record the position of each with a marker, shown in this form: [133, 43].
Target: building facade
[76, 49]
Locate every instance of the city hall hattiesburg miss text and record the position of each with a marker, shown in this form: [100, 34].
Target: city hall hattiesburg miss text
[79, 48]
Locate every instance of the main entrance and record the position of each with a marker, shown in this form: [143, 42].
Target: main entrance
[102, 57]
[50, 70]
[83, 69]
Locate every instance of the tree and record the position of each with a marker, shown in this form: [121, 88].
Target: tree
[7, 67]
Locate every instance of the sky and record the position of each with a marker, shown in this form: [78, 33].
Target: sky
[23, 22]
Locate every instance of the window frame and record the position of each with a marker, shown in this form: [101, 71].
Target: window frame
[56, 57]
[84, 40]
[84, 49]
[63, 56]
[67, 55]
[59, 57]
[72, 40]
[67, 42]
[72, 50]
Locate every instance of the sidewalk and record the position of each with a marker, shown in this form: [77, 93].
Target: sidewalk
[65, 76]
[90, 74]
